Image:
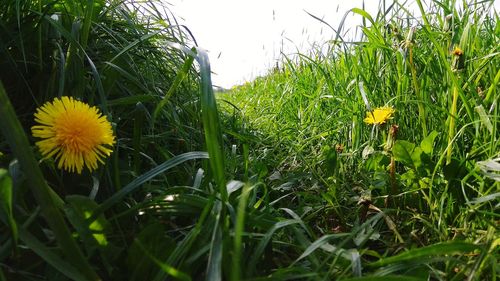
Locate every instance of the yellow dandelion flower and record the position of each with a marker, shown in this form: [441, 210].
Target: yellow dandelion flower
[379, 115]
[457, 52]
[77, 134]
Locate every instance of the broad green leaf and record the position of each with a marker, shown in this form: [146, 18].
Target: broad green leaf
[416, 157]
[427, 144]
[87, 21]
[465, 36]
[402, 151]
[78, 210]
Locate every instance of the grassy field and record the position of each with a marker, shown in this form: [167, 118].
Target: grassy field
[374, 160]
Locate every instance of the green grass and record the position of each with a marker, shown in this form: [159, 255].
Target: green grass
[278, 180]
[300, 114]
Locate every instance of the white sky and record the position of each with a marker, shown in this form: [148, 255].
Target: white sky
[244, 37]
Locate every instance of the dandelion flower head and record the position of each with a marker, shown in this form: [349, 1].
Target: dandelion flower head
[75, 133]
[457, 52]
[379, 115]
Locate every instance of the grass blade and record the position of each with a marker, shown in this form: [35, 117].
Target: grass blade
[214, 266]
[238, 232]
[211, 124]
[6, 203]
[321, 242]
[447, 248]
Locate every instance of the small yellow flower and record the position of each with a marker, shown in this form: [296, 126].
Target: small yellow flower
[457, 52]
[74, 132]
[379, 115]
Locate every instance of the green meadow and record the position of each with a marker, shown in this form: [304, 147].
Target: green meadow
[370, 159]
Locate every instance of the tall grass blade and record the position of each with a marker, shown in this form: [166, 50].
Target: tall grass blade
[211, 124]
